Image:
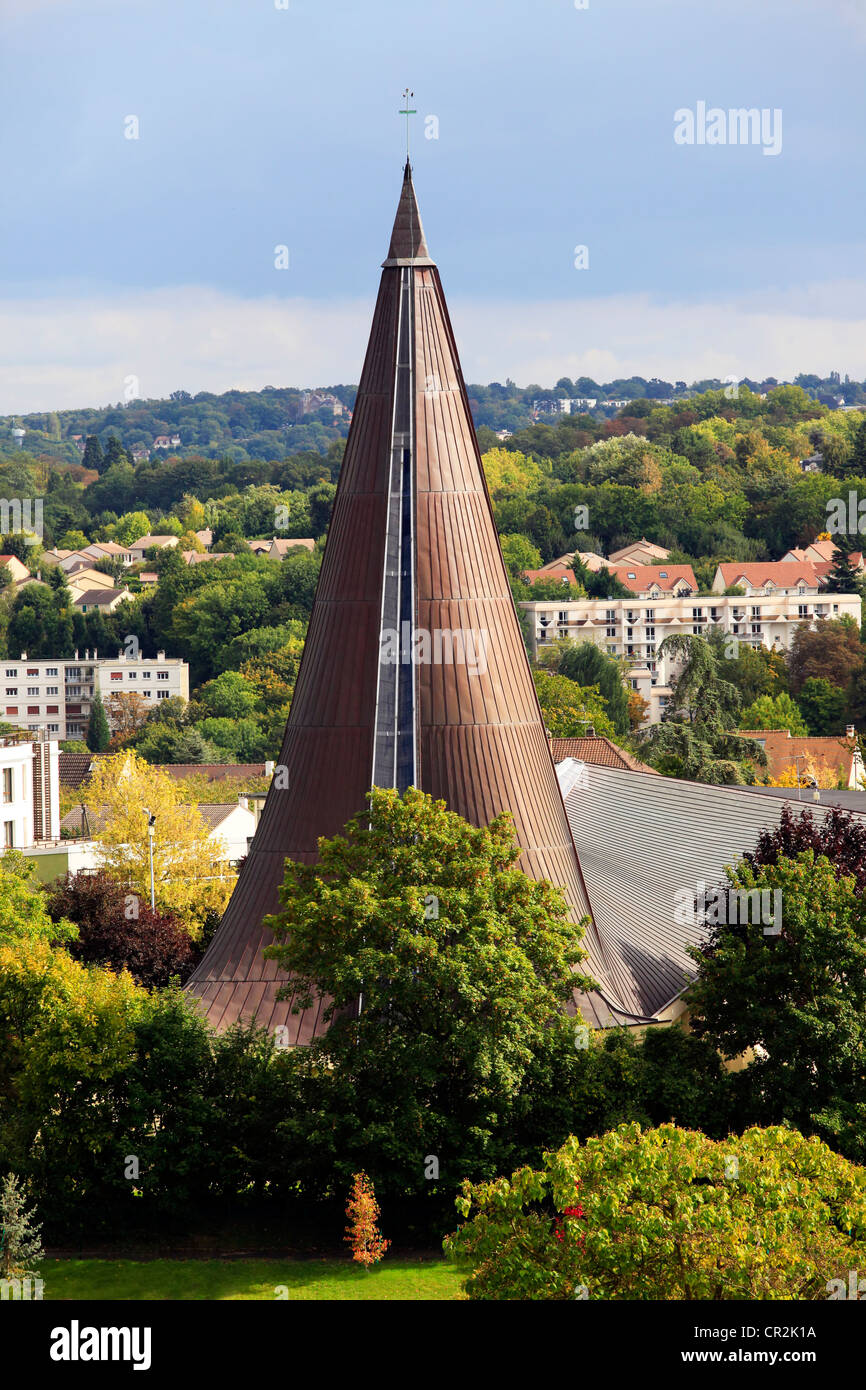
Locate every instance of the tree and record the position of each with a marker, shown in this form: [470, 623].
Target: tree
[519, 555]
[569, 709]
[822, 705]
[664, 1214]
[837, 836]
[93, 456]
[774, 712]
[587, 664]
[831, 651]
[362, 1232]
[190, 872]
[127, 713]
[20, 1244]
[23, 905]
[98, 732]
[115, 454]
[800, 993]
[843, 578]
[462, 963]
[695, 738]
[130, 527]
[72, 540]
[118, 930]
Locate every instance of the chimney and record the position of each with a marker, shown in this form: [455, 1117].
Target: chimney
[590, 731]
[850, 731]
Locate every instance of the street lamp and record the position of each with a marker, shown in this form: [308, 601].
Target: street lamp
[151, 822]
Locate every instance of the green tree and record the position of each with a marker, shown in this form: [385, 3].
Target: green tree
[20, 1244]
[774, 712]
[587, 664]
[93, 456]
[461, 963]
[843, 578]
[822, 705]
[569, 709]
[801, 992]
[695, 738]
[98, 732]
[666, 1214]
[114, 454]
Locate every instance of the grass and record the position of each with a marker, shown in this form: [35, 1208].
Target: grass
[395, 1280]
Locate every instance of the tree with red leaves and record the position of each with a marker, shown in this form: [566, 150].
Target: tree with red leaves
[362, 1232]
[117, 929]
[838, 836]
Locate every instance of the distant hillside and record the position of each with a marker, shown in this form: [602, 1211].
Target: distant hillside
[280, 421]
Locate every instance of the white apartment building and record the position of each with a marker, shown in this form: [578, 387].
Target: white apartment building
[634, 628]
[52, 696]
[29, 793]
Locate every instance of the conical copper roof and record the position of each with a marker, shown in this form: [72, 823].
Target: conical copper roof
[412, 551]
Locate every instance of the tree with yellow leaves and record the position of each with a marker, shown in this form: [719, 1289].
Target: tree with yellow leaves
[508, 471]
[190, 876]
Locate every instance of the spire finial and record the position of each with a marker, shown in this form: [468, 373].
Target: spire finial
[407, 111]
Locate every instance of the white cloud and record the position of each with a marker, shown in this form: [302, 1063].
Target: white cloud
[65, 352]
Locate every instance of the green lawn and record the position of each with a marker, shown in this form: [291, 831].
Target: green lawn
[397, 1279]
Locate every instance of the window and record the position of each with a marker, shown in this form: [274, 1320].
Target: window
[7, 784]
[52, 690]
[51, 670]
[32, 709]
[610, 616]
[73, 673]
[33, 670]
[147, 694]
[611, 632]
[12, 690]
[162, 675]
[145, 675]
[13, 673]
[8, 833]
[11, 709]
[53, 728]
[162, 694]
[33, 690]
[133, 674]
[663, 574]
[117, 675]
[52, 709]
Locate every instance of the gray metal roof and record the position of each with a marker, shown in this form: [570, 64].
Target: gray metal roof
[640, 840]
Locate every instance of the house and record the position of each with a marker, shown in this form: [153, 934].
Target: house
[588, 558]
[771, 577]
[641, 552]
[109, 550]
[87, 578]
[280, 548]
[599, 751]
[167, 441]
[140, 547]
[320, 400]
[205, 537]
[823, 762]
[651, 581]
[504, 434]
[148, 579]
[29, 791]
[821, 553]
[230, 827]
[813, 464]
[198, 557]
[99, 600]
[16, 568]
[139, 452]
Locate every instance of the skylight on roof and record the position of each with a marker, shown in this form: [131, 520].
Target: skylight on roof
[663, 574]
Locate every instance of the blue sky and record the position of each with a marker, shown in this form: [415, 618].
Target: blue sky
[262, 126]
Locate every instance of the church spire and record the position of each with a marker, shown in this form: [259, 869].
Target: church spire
[414, 671]
[408, 244]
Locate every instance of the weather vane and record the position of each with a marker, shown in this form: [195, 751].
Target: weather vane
[407, 111]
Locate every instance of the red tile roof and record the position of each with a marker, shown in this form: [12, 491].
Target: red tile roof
[639, 578]
[830, 757]
[601, 751]
[785, 574]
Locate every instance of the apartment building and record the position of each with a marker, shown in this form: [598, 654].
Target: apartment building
[29, 792]
[52, 696]
[634, 628]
